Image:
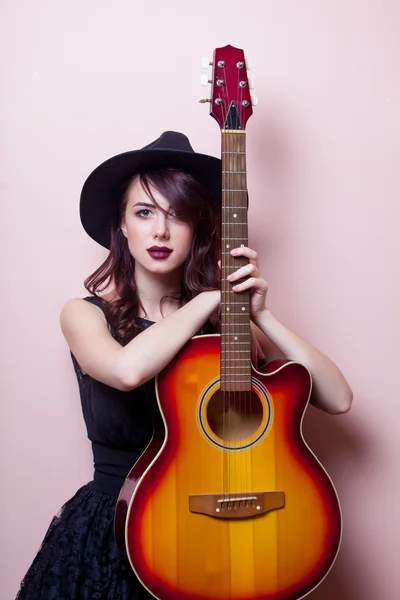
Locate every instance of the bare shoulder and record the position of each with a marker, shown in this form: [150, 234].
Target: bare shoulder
[87, 334]
[77, 309]
[83, 321]
[80, 316]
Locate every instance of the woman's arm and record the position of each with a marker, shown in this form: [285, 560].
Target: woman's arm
[126, 367]
[331, 392]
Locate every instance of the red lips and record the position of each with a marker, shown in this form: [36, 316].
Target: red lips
[159, 252]
[159, 249]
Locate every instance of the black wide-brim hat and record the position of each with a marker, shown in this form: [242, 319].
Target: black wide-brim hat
[102, 191]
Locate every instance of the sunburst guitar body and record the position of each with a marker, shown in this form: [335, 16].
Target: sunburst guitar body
[228, 502]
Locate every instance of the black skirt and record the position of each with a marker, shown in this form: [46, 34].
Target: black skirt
[79, 558]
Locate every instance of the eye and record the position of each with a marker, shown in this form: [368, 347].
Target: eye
[144, 212]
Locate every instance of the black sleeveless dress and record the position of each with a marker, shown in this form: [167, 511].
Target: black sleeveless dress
[78, 558]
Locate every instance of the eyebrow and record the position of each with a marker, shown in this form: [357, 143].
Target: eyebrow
[147, 204]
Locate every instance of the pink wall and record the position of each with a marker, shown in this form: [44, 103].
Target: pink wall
[82, 80]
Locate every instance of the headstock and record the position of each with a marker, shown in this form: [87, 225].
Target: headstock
[231, 99]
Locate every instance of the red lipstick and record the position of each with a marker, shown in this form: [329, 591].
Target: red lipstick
[159, 252]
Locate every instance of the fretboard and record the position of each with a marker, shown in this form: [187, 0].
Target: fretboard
[235, 318]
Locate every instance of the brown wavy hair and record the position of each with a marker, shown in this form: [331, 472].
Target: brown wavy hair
[194, 205]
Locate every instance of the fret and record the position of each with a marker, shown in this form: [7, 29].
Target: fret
[234, 207]
[235, 172]
[239, 333]
[245, 368]
[236, 335]
[235, 303]
[235, 381]
[238, 352]
[234, 223]
[229, 190]
[232, 152]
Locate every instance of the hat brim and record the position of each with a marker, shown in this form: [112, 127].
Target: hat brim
[101, 192]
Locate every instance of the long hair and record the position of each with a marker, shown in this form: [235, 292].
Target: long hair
[196, 206]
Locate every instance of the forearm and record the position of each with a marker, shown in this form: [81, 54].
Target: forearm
[331, 391]
[152, 350]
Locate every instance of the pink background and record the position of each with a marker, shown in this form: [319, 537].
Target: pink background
[83, 80]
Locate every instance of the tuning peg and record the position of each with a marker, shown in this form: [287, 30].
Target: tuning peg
[204, 80]
[203, 100]
[248, 64]
[205, 62]
[251, 83]
[254, 99]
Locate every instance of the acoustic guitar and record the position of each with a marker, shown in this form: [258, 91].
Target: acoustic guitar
[228, 502]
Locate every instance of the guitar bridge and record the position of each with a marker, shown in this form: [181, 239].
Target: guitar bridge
[236, 506]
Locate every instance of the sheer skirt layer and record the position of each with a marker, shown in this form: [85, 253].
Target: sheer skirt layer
[79, 559]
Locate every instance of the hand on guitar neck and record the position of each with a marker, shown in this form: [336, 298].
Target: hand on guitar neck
[257, 286]
[271, 339]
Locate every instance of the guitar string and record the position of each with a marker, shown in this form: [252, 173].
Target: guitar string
[243, 186]
[231, 393]
[239, 231]
[228, 318]
[226, 470]
[246, 397]
[248, 400]
[235, 184]
[241, 167]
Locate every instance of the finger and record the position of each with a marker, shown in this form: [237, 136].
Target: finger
[259, 285]
[244, 271]
[245, 251]
[219, 264]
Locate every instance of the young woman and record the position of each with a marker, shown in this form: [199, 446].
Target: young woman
[157, 210]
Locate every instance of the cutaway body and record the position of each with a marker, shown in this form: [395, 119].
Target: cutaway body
[254, 517]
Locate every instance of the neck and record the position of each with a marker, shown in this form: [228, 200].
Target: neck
[152, 289]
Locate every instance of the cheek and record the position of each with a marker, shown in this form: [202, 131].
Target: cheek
[134, 229]
[187, 240]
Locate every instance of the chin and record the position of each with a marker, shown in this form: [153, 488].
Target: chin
[163, 269]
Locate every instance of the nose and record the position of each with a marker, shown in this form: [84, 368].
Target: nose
[161, 229]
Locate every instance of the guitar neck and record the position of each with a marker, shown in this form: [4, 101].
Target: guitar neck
[235, 307]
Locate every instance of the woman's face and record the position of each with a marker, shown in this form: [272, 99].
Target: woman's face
[159, 242]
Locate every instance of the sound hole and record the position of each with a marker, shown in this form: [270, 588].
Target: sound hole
[234, 416]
